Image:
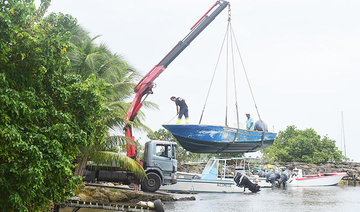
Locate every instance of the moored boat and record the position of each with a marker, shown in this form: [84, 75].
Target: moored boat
[220, 139]
[213, 180]
[323, 179]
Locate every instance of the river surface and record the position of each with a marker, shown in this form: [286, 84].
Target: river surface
[333, 198]
[292, 199]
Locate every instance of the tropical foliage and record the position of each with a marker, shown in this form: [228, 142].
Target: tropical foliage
[294, 145]
[46, 114]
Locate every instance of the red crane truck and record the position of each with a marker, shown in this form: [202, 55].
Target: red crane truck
[160, 169]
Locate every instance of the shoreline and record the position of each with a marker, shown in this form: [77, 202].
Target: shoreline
[109, 193]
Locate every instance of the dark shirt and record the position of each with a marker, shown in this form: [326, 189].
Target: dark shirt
[180, 102]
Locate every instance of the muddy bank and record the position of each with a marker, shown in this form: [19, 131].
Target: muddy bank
[120, 195]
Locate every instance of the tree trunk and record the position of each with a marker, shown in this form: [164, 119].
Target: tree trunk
[81, 165]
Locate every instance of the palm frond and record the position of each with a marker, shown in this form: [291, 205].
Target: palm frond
[150, 105]
[119, 140]
[94, 38]
[118, 104]
[140, 126]
[119, 160]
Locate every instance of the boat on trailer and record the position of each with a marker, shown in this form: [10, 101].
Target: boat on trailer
[220, 139]
[323, 179]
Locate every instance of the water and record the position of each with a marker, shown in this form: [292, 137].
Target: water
[332, 198]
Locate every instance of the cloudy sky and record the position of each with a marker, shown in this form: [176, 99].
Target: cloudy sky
[302, 59]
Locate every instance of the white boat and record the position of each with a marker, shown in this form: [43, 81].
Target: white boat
[325, 179]
[211, 180]
[203, 186]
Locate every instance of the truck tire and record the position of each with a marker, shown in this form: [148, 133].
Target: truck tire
[152, 183]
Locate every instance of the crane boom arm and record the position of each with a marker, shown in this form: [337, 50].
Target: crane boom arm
[144, 87]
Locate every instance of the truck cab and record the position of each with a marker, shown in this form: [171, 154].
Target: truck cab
[160, 164]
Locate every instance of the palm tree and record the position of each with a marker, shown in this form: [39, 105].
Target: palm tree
[88, 59]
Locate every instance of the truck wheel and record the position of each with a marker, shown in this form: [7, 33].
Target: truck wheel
[153, 182]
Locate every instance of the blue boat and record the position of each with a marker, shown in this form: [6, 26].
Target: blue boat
[220, 139]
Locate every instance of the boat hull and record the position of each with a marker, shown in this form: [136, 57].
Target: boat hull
[219, 139]
[326, 179]
[203, 186]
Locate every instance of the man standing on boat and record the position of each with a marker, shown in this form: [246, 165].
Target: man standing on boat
[181, 109]
[249, 122]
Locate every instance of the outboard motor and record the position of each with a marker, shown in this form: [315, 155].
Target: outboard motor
[271, 177]
[284, 176]
[261, 174]
[277, 177]
[261, 126]
[283, 179]
[242, 180]
[268, 176]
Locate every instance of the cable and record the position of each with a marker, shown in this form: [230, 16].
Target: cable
[247, 78]
[227, 76]
[213, 76]
[235, 88]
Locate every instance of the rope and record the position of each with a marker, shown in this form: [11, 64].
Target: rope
[172, 119]
[247, 78]
[227, 77]
[227, 68]
[213, 76]
[235, 88]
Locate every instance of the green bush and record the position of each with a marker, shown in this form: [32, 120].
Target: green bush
[46, 113]
[293, 145]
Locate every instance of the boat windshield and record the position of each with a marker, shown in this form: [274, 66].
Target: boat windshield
[210, 171]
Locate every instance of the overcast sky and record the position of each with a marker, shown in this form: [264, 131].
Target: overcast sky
[302, 58]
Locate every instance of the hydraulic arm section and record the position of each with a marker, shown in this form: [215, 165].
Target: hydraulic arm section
[144, 87]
